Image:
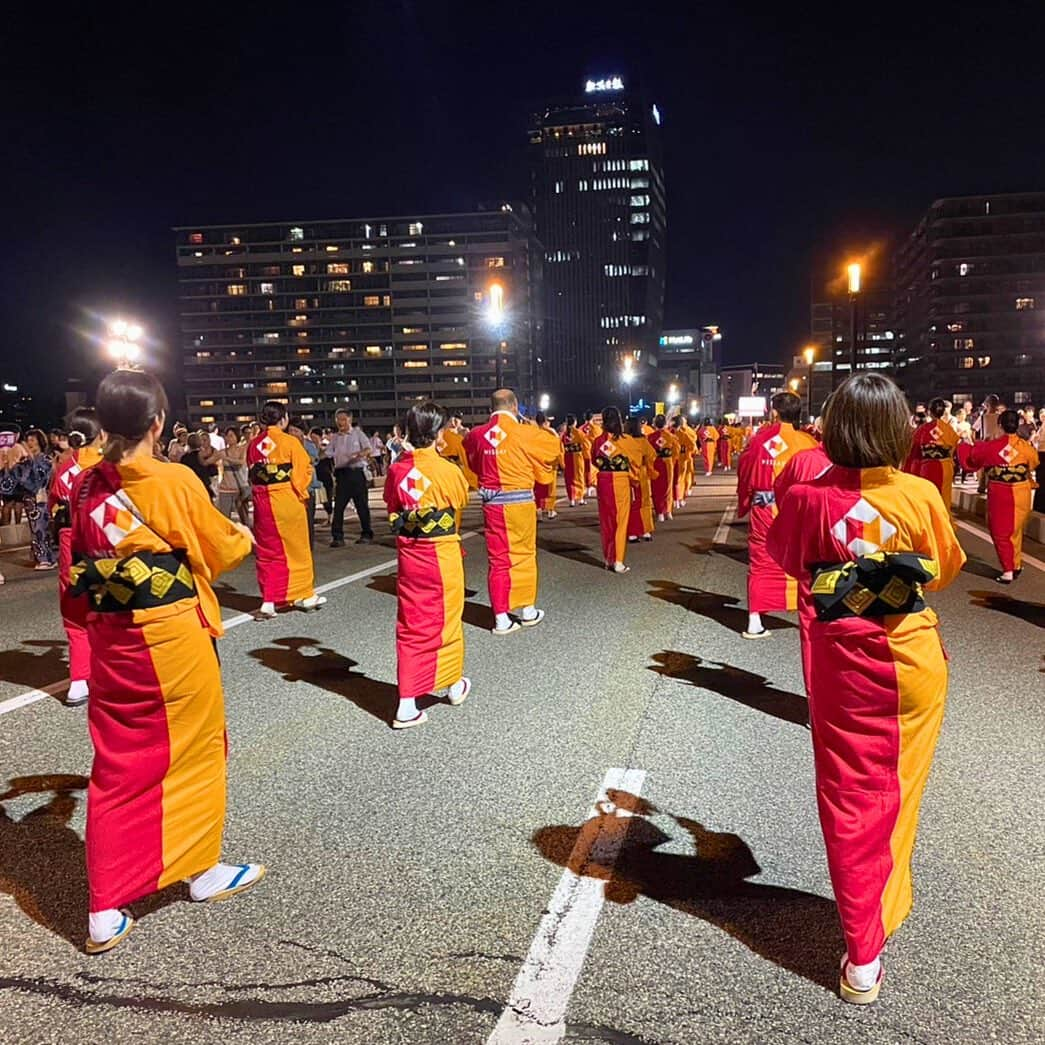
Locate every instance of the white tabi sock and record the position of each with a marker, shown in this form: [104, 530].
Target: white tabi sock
[407, 708]
[863, 977]
[502, 621]
[78, 691]
[455, 690]
[268, 607]
[219, 878]
[754, 623]
[528, 612]
[104, 924]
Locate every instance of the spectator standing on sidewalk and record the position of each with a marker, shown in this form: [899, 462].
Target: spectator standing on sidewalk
[377, 447]
[350, 450]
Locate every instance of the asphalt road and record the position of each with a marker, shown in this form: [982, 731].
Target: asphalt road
[416, 888]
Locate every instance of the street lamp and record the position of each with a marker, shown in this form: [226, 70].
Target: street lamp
[694, 407]
[627, 376]
[544, 402]
[854, 291]
[495, 320]
[809, 355]
[124, 343]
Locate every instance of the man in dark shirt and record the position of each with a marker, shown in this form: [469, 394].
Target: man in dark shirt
[192, 460]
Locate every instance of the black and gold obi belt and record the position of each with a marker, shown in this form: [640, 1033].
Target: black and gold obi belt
[1015, 473]
[136, 582]
[265, 473]
[872, 586]
[935, 452]
[617, 463]
[424, 522]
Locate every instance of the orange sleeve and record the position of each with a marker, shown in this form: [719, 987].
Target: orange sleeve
[301, 470]
[942, 544]
[214, 544]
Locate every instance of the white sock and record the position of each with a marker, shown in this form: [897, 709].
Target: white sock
[407, 709]
[216, 879]
[863, 977]
[104, 924]
[1007, 575]
[528, 612]
[268, 607]
[503, 622]
[455, 690]
[754, 623]
[78, 689]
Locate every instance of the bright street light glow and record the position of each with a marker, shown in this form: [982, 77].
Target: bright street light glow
[118, 327]
[673, 394]
[694, 406]
[495, 312]
[133, 332]
[809, 355]
[854, 278]
[545, 401]
[794, 384]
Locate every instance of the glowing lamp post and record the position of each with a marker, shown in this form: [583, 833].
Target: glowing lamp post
[809, 355]
[495, 320]
[854, 272]
[124, 344]
[627, 376]
[544, 402]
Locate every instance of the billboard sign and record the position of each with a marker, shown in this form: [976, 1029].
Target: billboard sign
[752, 406]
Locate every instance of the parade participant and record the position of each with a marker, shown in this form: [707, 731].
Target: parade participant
[425, 494]
[450, 445]
[509, 456]
[85, 442]
[687, 444]
[866, 539]
[737, 439]
[662, 483]
[640, 516]
[33, 475]
[546, 493]
[280, 477]
[1010, 463]
[766, 456]
[725, 445]
[592, 429]
[616, 470]
[576, 452]
[350, 449]
[146, 546]
[932, 450]
[709, 437]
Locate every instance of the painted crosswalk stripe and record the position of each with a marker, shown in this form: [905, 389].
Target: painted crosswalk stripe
[535, 1013]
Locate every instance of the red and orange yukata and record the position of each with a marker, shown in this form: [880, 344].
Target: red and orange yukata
[865, 544]
[509, 458]
[450, 445]
[640, 518]
[147, 543]
[771, 448]
[725, 447]
[709, 437]
[74, 610]
[619, 462]
[687, 442]
[545, 494]
[591, 432]
[425, 495]
[932, 455]
[1010, 462]
[576, 451]
[662, 484]
[280, 475]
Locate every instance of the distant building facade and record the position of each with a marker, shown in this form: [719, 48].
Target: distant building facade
[831, 328]
[601, 216]
[368, 313]
[691, 360]
[970, 284]
[750, 379]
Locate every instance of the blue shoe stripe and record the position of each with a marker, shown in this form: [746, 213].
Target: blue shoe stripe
[244, 868]
[123, 926]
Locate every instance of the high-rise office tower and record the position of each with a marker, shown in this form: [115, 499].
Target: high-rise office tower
[600, 212]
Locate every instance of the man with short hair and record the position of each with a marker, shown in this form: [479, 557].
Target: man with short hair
[509, 457]
[771, 448]
[349, 449]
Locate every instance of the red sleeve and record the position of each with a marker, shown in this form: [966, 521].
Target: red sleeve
[788, 535]
[391, 502]
[744, 489]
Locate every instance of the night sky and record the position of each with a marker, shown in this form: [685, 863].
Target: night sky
[789, 139]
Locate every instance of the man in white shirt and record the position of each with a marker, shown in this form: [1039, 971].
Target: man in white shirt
[350, 450]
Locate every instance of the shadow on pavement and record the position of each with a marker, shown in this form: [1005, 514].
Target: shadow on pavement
[723, 609]
[305, 660]
[745, 687]
[231, 599]
[567, 550]
[1031, 612]
[796, 930]
[42, 859]
[25, 667]
[980, 568]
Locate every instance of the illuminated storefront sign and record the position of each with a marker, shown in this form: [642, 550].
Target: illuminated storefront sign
[611, 83]
[677, 339]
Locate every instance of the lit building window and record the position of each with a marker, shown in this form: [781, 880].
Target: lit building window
[638, 235]
[638, 165]
[413, 330]
[296, 234]
[582, 185]
[207, 420]
[414, 348]
[967, 363]
[964, 342]
[558, 189]
[640, 217]
[1024, 304]
[964, 268]
[236, 290]
[195, 237]
[339, 284]
[270, 335]
[298, 270]
[371, 300]
[640, 201]
[591, 149]
[383, 230]
[368, 266]
[451, 346]
[495, 263]
[416, 228]
[373, 350]
[983, 361]
[234, 240]
[416, 364]
[206, 402]
[338, 268]
[332, 248]
[387, 300]
[268, 288]
[455, 362]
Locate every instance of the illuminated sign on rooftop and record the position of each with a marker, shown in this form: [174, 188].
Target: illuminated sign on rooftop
[611, 83]
[656, 115]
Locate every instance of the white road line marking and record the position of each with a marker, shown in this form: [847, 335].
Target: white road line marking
[25, 699]
[535, 1013]
[1037, 563]
[722, 533]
